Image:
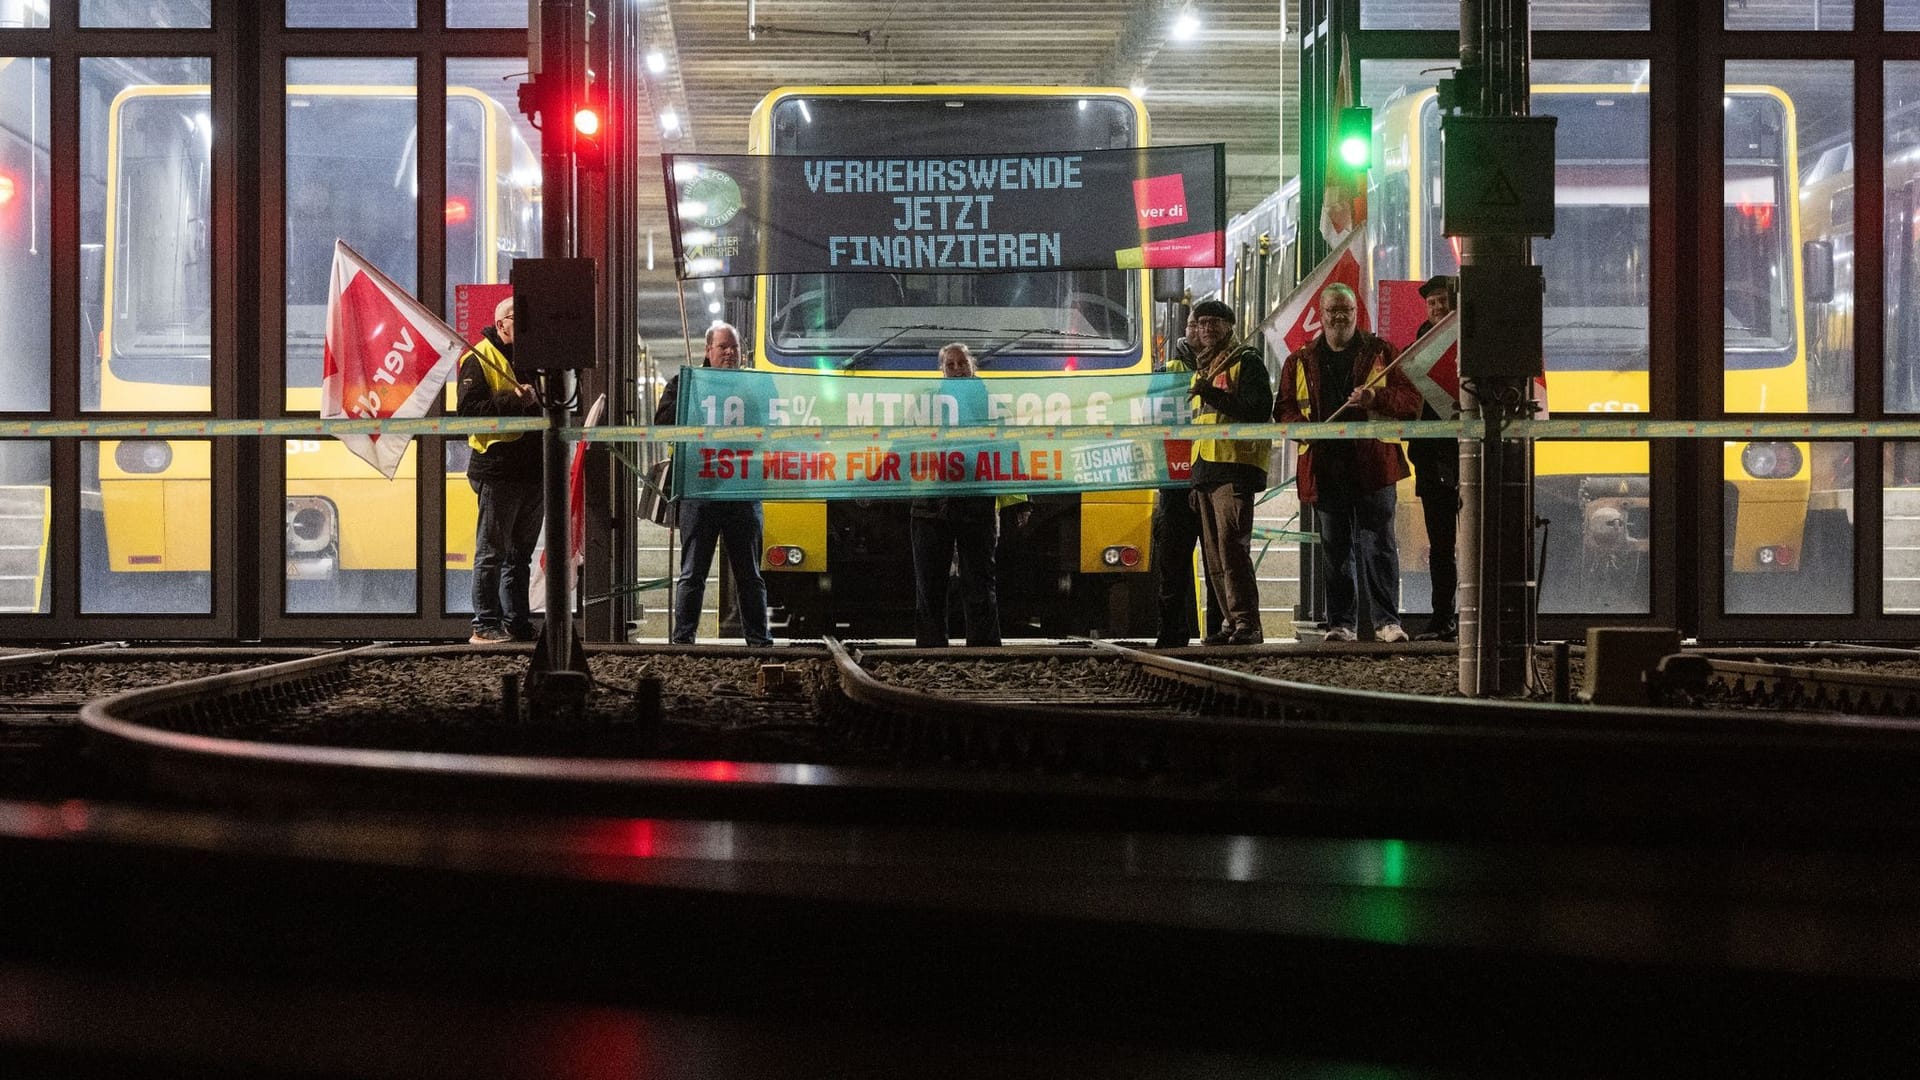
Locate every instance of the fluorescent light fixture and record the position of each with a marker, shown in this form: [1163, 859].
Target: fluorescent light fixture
[656, 62]
[670, 121]
[1185, 26]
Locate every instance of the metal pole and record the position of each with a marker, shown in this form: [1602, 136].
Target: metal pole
[562, 71]
[1495, 548]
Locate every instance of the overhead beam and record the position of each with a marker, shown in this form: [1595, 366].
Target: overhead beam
[1142, 36]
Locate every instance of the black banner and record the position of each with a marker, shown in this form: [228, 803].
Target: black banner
[1154, 207]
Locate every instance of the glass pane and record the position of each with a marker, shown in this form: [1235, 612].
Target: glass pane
[486, 13]
[356, 13]
[1789, 14]
[149, 547]
[352, 174]
[1903, 14]
[493, 218]
[146, 252]
[23, 14]
[350, 531]
[1902, 226]
[162, 14]
[26, 202]
[1787, 236]
[1547, 14]
[1789, 539]
[1788, 344]
[26, 508]
[1595, 494]
[1900, 529]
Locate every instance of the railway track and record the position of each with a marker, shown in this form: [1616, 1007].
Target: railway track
[1685, 680]
[1157, 739]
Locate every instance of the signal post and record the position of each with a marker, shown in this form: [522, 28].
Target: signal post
[1498, 185]
[555, 317]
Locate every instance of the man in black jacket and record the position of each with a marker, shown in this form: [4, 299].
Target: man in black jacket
[1436, 479]
[709, 523]
[505, 474]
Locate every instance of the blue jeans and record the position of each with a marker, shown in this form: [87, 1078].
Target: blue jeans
[704, 523]
[511, 513]
[1361, 549]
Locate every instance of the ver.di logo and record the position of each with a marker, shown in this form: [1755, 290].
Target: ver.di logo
[710, 199]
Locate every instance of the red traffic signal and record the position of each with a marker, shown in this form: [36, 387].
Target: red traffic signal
[589, 131]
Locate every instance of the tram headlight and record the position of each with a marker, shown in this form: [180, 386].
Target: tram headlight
[311, 526]
[785, 555]
[143, 456]
[1770, 460]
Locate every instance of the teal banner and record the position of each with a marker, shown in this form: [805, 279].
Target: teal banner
[944, 435]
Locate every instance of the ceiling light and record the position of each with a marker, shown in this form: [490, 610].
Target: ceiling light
[1185, 26]
[670, 121]
[713, 308]
[1139, 89]
[656, 62]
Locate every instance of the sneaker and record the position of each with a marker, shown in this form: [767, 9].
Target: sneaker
[1446, 631]
[1391, 633]
[1223, 637]
[1341, 633]
[523, 632]
[489, 635]
[1246, 636]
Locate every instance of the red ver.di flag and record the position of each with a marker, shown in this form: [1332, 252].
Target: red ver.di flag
[1297, 321]
[386, 358]
[1432, 364]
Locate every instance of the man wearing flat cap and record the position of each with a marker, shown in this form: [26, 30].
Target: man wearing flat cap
[505, 473]
[1436, 479]
[1230, 386]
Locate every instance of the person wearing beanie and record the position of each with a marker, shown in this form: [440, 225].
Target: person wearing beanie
[504, 472]
[1350, 482]
[1436, 480]
[1230, 386]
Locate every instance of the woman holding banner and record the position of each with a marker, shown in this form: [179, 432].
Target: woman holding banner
[963, 525]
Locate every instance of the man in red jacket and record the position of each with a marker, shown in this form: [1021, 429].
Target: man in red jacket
[1349, 482]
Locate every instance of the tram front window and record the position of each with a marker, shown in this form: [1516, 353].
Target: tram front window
[1047, 316]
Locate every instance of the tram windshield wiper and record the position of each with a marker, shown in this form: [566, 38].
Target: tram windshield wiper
[1022, 335]
[855, 360]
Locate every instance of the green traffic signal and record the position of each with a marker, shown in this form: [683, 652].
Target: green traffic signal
[1354, 137]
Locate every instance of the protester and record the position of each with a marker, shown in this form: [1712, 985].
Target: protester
[737, 525]
[1436, 480]
[1350, 482]
[505, 473]
[962, 526]
[1230, 385]
[1176, 531]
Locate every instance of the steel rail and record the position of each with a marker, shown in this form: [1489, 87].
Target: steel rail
[1684, 678]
